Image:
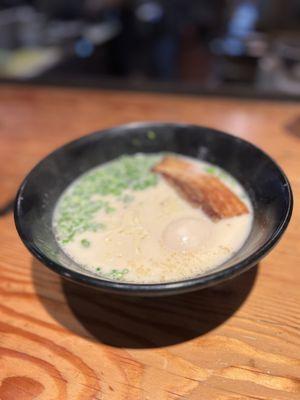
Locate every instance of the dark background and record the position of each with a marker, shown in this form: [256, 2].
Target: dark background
[235, 47]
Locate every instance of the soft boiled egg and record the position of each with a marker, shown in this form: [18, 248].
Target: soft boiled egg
[187, 234]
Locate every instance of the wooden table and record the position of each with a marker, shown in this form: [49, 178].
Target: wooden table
[60, 341]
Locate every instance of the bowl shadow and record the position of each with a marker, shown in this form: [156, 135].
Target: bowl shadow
[137, 322]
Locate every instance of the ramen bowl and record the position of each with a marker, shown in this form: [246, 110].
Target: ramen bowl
[264, 181]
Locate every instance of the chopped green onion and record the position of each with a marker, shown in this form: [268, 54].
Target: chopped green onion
[114, 274]
[85, 243]
[211, 170]
[79, 205]
[151, 135]
[136, 142]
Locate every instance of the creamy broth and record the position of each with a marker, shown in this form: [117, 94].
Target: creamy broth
[139, 229]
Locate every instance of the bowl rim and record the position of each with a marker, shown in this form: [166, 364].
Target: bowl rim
[164, 288]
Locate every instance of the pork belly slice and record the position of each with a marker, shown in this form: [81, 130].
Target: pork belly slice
[200, 189]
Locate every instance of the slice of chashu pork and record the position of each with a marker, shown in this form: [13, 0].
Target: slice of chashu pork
[200, 189]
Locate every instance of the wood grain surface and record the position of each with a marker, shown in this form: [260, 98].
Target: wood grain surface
[240, 340]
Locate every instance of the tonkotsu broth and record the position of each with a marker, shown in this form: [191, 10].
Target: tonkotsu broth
[126, 223]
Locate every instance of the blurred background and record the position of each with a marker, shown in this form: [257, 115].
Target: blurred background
[234, 47]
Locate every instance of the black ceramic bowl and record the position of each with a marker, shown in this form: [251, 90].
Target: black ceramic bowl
[264, 181]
